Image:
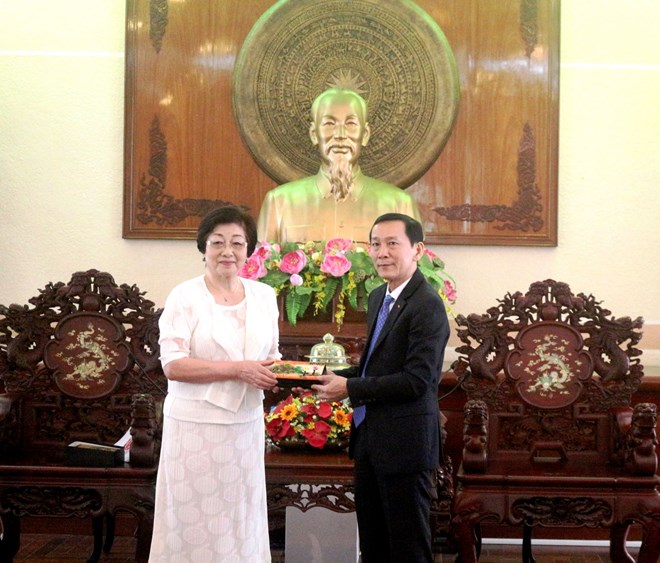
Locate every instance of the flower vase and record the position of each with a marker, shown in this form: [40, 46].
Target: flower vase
[299, 443]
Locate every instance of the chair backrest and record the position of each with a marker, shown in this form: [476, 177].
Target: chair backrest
[75, 362]
[554, 371]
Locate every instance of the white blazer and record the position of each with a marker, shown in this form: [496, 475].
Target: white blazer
[191, 325]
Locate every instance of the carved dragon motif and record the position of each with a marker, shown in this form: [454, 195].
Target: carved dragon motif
[487, 359]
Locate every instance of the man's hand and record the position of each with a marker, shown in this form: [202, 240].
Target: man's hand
[333, 387]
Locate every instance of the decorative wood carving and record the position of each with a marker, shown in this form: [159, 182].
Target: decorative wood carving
[495, 181]
[155, 205]
[529, 25]
[441, 505]
[525, 214]
[76, 357]
[637, 443]
[562, 511]
[51, 501]
[475, 432]
[87, 355]
[536, 428]
[551, 436]
[336, 497]
[158, 11]
[80, 362]
[143, 431]
[611, 342]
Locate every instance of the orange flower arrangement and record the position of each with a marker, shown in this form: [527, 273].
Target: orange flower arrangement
[304, 419]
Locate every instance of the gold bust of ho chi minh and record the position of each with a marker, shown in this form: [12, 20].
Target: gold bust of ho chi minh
[339, 201]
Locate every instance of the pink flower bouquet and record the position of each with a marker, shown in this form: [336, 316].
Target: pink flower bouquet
[311, 274]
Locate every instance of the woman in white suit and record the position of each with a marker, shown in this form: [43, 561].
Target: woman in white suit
[218, 335]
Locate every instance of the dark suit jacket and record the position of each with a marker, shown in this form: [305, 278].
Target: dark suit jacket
[400, 387]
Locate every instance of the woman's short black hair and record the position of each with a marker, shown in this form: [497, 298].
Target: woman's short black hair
[226, 215]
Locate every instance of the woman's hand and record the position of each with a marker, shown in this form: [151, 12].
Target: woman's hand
[257, 374]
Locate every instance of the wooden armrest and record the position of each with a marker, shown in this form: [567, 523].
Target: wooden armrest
[475, 436]
[143, 431]
[642, 439]
[9, 435]
[6, 402]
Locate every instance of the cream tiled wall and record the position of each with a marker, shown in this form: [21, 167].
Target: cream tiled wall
[61, 163]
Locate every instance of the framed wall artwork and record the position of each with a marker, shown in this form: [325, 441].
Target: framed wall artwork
[487, 176]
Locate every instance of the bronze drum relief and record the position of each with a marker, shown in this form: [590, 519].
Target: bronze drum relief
[390, 51]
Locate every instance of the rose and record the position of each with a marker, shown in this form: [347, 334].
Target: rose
[293, 262]
[336, 265]
[325, 410]
[337, 245]
[253, 269]
[280, 426]
[317, 271]
[278, 429]
[317, 435]
[450, 291]
[263, 250]
[305, 416]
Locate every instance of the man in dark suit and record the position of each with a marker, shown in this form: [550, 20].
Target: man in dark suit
[395, 439]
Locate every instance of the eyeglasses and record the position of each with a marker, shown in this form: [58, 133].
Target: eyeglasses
[234, 245]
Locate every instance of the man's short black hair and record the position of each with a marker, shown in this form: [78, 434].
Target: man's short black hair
[414, 230]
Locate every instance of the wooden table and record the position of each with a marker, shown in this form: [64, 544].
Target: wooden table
[307, 479]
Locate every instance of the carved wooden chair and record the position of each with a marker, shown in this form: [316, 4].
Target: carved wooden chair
[552, 436]
[80, 363]
[444, 495]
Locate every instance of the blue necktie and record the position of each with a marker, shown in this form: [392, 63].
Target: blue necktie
[360, 411]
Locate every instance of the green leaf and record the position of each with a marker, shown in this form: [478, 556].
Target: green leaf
[292, 305]
[320, 288]
[305, 300]
[302, 289]
[372, 283]
[352, 298]
[351, 294]
[330, 290]
[434, 279]
[288, 247]
[275, 278]
[425, 262]
[361, 263]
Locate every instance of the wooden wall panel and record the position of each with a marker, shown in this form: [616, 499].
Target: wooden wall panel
[494, 183]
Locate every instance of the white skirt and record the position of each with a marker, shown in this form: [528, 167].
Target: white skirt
[211, 494]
